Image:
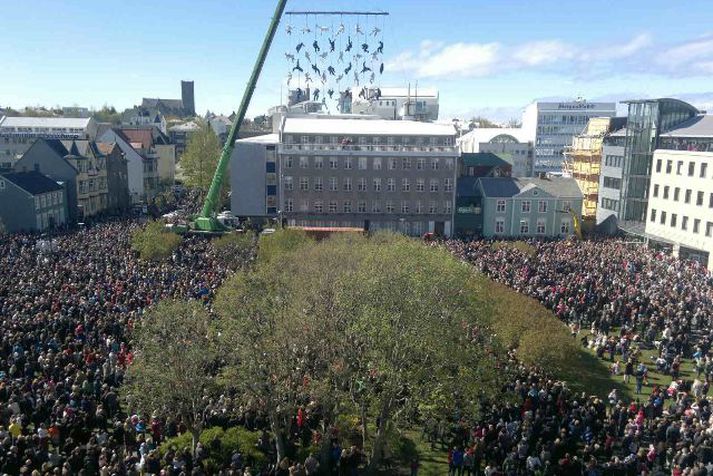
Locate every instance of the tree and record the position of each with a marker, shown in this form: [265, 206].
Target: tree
[106, 114]
[154, 242]
[480, 121]
[200, 159]
[172, 371]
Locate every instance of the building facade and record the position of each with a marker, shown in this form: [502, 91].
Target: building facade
[509, 143]
[610, 175]
[680, 206]
[31, 201]
[180, 135]
[583, 161]
[552, 125]
[142, 171]
[17, 134]
[393, 103]
[117, 177]
[529, 207]
[336, 172]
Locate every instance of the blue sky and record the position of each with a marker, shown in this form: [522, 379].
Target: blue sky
[484, 56]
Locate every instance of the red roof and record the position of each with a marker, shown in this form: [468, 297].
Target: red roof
[142, 136]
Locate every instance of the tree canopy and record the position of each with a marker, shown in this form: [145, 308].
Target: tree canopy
[154, 242]
[200, 158]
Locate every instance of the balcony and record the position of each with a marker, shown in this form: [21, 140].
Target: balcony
[368, 150]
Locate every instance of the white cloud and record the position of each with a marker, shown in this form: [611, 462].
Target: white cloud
[615, 51]
[460, 59]
[538, 53]
[694, 56]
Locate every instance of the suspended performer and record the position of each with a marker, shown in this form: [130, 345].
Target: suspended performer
[315, 45]
[348, 69]
[298, 67]
[331, 44]
[299, 46]
[364, 68]
[349, 44]
[380, 49]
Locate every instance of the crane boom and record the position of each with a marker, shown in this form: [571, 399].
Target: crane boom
[206, 220]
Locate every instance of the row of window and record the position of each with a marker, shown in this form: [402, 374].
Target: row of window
[540, 227]
[369, 140]
[611, 182]
[673, 223]
[613, 160]
[526, 206]
[700, 195]
[376, 183]
[407, 163]
[415, 228]
[333, 206]
[609, 204]
[691, 169]
[48, 199]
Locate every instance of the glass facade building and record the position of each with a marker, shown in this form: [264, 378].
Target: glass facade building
[647, 119]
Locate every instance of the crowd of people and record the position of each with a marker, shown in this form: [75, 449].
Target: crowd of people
[629, 298]
[67, 304]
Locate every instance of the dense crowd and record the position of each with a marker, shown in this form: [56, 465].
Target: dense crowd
[66, 306]
[629, 298]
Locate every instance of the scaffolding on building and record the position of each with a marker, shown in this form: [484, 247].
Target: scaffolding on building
[583, 161]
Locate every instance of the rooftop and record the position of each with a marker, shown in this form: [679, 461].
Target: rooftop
[484, 159]
[71, 122]
[301, 125]
[264, 139]
[511, 186]
[698, 126]
[487, 134]
[32, 182]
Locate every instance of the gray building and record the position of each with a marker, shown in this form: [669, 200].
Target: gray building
[345, 172]
[529, 207]
[31, 201]
[552, 125]
[117, 177]
[612, 169]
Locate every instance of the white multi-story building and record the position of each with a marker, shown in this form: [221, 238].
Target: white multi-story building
[322, 171]
[552, 125]
[394, 103]
[680, 205]
[17, 134]
[509, 143]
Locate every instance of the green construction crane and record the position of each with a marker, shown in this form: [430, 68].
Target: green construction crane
[206, 220]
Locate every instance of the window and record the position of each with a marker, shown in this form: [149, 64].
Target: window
[542, 206]
[434, 164]
[656, 190]
[289, 184]
[709, 229]
[564, 227]
[612, 182]
[653, 215]
[318, 163]
[304, 184]
[540, 226]
[390, 185]
[669, 164]
[447, 206]
[362, 163]
[333, 164]
[499, 225]
[405, 185]
[389, 206]
[704, 170]
[676, 193]
[684, 223]
[696, 225]
[449, 163]
[699, 199]
[658, 165]
[679, 166]
[406, 163]
[662, 220]
[362, 185]
[347, 206]
[419, 207]
[332, 206]
[432, 207]
[332, 184]
[347, 184]
[674, 219]
[710, 201]
[348, 163]
[392, 164]
[434, 185]
[420, 164]
[361, 206]
[289, 205]
[375, 207]
[566, 206]
[404, 207]
[377, 163]
[691, 169]
[318, 206]
[447, 185]
[688, 196]
[318, 184]
[665, 192]
[377, 184]
[500, 206]
[304, 206]
[420, 185]
[304, 162]
[524, 227]
[525, 206]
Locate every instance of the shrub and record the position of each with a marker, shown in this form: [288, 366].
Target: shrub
[231, 440]
[154, 242]
[281, 242]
